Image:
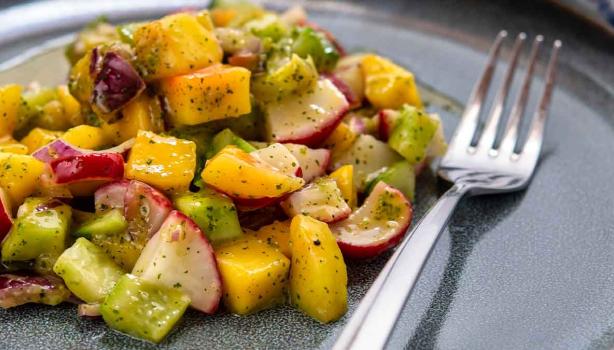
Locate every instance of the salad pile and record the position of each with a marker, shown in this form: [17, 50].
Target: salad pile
[232, 155]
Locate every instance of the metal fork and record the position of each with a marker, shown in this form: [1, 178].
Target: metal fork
[474, 169]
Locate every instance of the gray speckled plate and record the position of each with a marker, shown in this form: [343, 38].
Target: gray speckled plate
[521, 271]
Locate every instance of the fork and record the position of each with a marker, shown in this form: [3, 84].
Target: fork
[475, 168]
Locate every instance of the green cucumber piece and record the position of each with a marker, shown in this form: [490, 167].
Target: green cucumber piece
[267, 26]
[126, 32]
[367, 154]
[412, 134]
[39, 233]
[308, 42]
[227, 137]
[143, 310]
[87, 271]
[111, 222]
[213, 212]
[292, 76]
[399, 175]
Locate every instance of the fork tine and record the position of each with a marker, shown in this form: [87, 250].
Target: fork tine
[511, 134]
[534, 142]
[469, 121]
[490, 131]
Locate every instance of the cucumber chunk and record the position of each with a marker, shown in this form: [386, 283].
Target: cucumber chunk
[227, 137]
[213, 212]
[308, 42]
[109, 223]
[39, 233]
[87, 271]
[399, 175]
[143, 310]
[412, 134]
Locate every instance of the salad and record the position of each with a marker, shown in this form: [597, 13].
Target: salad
[228, 158]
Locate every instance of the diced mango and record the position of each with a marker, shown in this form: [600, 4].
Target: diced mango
[388, 85]
[276, 234]
[239, 174]
[215, 92]
[10, 99]
[19, 175]
[340, 139]
[167, 163]
[38, 137]
[81, 83]
[86, 136]
[72, 107]
[142, 113]
[10, 145]
[318, 279]
[344, 177]
[174, 45]
[254, 274]
[222, 17]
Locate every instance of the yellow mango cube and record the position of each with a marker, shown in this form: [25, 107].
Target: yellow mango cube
[10, 145]
[344, 177]
[388, 85]
[38, 137]
[142, 113]
[173, 45]
[10, 99]
[254, 275]
[215, 92]
[340, 139]
[167, 163]
[276, 234]
[72, 107]
[19, 175]
[86, 136]
[239, 174]
[318, 279]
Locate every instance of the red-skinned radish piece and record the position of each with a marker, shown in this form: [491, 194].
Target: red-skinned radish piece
[145, 209]
[88, 167]
[379, 224]
[313, 162]
[179, 256]
[321, 199]
[352, 99]
[306, 119]
[349, 71]
[6, 220]
[111, 196]
[387, 119]
[280, 158]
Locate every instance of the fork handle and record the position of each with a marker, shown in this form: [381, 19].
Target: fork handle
[373, 321]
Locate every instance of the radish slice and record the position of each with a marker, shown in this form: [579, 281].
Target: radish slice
[307, 119]
[313, 162]
[280, 158]
[145, 209]
[387, 118]
[379, 224]
[179, 256]
[321, 199]
[111, 196]
[88, 167]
